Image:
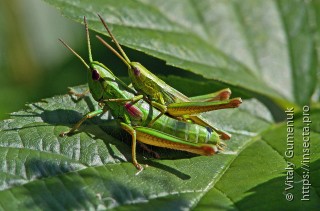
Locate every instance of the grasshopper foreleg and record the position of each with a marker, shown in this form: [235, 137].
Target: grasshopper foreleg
[77, 125]
[161, 108]
[121, 100]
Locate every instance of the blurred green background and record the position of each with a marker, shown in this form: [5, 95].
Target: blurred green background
[34, 64]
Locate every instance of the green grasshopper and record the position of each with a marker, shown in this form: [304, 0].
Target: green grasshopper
[169, 100]
[134, 114]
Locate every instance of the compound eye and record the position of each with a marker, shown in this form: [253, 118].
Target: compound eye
[95, 75]
[136, 71]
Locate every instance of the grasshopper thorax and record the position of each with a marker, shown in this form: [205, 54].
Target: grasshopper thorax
[146, 82]
[139, 76]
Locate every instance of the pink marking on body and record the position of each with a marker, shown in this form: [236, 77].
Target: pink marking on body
[133, 111]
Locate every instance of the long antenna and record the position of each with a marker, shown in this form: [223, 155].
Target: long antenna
[114, 40]
[75, 53]
[88, 38]
[113, 50]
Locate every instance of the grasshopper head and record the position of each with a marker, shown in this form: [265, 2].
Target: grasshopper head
[146, 82]
[99, 77]
[141, 78]
[96, 70]
[137, 70]
[95, 75]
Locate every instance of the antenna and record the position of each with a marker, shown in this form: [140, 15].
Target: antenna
[124, 55]
[88, 38]
[75, 53]
[113, 50]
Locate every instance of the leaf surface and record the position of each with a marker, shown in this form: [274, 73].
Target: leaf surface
[92, 169]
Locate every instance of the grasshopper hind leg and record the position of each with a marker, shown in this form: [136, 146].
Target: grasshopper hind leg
[133, 134]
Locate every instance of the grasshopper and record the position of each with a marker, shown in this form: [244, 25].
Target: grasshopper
[134, 114]
[169, 100]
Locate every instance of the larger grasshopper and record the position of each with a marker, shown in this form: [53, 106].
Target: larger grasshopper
[169, 100]
[134, 114]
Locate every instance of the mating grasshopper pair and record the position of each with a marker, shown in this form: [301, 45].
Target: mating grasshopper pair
[169, 100]
[141, 120]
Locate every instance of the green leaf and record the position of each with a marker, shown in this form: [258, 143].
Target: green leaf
[92, 169]
[275, 56]
[268, 47]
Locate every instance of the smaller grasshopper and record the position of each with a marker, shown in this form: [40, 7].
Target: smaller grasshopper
[169, 100]
[134, 113]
